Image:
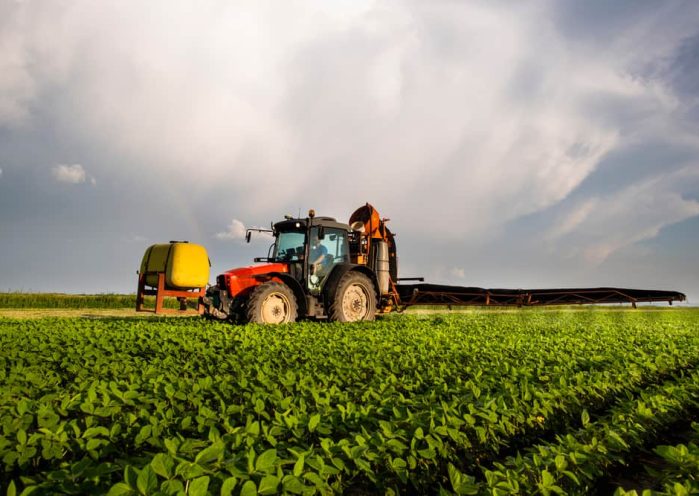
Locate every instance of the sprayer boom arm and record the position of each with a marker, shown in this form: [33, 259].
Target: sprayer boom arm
[434, 294]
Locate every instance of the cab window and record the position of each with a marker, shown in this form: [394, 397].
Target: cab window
[289, 246]
[335, 241]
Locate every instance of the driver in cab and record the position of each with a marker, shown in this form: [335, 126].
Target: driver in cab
[318, 256]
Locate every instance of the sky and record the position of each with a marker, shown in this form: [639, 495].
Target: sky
[512, 144]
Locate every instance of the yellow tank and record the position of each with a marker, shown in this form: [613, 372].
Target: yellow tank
[186, 265]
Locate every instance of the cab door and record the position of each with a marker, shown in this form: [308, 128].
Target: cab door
[335, 249]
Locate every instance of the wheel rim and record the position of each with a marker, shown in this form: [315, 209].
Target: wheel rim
[275, 309]
[355, 302]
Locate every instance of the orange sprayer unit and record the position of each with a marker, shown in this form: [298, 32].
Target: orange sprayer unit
[375, 247]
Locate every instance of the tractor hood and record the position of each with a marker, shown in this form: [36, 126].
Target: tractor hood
[256, 270]
[236, 281]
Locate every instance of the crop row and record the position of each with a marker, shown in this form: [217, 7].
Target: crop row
[405, 404]
[678, 473]
[575, 460]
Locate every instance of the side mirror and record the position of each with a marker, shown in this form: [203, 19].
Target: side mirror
[321, 232]
[248, 235]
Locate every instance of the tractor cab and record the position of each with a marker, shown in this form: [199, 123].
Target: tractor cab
[312, 248]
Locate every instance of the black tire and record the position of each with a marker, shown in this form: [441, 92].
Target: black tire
[238, 310]
[211, 312]
[355, 299]
[271, 303]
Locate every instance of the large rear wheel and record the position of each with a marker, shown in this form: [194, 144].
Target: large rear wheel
[355, 299]
[272, 303]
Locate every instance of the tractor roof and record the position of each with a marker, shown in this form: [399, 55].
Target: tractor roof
[302, 224]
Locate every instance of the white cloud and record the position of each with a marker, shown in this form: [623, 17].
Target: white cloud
[458, 272]
[596, 228]
[0, 172]
[235, 230]
[135, 238]
[457, 117]
[73, 174]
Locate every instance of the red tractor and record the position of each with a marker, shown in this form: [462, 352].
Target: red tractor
[317, 268]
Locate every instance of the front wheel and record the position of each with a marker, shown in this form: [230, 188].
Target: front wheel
[355, 299]
[271, 303]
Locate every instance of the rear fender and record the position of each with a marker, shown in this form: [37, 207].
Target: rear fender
[293, 284]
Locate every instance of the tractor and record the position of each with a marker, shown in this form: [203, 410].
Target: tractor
[317, 268]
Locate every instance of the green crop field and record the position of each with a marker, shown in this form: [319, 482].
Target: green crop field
[527, 402]
[75, 302]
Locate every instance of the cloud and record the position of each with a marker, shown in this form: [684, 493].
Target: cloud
[371, 93]
[235, 230]
[398, 101]
[135, 238]
[72, 174]
[596, 228]
[457, 272]
[0, 172]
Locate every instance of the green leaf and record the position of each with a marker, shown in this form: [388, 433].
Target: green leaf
[680, 490]
[147, 481]
[119, 489]
[22, 437]
[547, 479]
[315, 479]
[585, 417]
[396, 446]
[199, 486]
[228, 486]
[248, 489]
[12, 489]
[29, 490]
[93, 444]
[211, 453]
[268, 485]
[189, 471]
[163, 465]
[130, 476]
[399, 464]
[96, 431]
[571, 476]
[173, 487]
[313, 422]
[171, 445]
[253, 429]
[616, 437]
[454, 476]
[427, 453]
[298, 466]
[293, 485]
[266, 460]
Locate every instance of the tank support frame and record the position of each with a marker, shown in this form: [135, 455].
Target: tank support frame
[160, 292]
